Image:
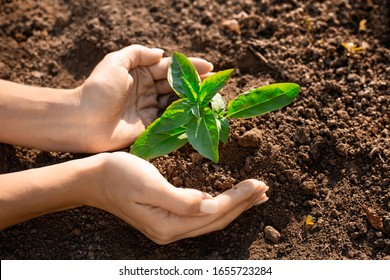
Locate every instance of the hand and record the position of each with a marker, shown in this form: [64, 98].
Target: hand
[128, 187]
[123, 95]
[134, 190]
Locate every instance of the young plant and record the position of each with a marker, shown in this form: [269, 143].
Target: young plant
[200, 116]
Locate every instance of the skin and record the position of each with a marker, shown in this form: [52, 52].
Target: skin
[107, 112]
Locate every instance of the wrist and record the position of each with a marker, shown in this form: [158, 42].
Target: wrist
[91, 178]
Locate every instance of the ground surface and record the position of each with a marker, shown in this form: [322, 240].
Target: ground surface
[326, 155]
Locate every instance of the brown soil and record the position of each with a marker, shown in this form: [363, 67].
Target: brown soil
[326, 155]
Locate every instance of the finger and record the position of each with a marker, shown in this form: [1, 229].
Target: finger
[183, 202]
[262, 198]
[231, 204]
[204, 76]
[220, 223]
[165, 100]
[159, 70]
[135, 55]
[163, 87]
[248, 192]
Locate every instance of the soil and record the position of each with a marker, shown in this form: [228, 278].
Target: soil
[326, 155]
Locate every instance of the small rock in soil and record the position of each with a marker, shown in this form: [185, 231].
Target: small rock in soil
[196, 157]
[251, 138]
[386, 223]
[76, 232]
[272, 234]
[309, 187]
[302, 136]
[177, 182]
[334, 213]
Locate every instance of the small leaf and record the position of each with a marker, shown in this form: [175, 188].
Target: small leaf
[362, 25]
[203, 135]
[176, 115]
[151, 145]
[180, 67]
[309, 222]
[352, 47]
[211, 85]
[262, 100]
[218, 104]
[166, 133]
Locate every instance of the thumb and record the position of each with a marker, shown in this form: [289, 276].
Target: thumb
[136, 55]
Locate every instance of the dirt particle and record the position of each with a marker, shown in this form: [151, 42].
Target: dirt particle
[177, 182]
[342, 149]
[247, 166]
[309, 187]
[76, 232]
[351, 226]
[91, 255]
[302, 136]
[272, 234]
[334, 213]
[37, 74]
[251, 138]
[386, 223]
[196, 157]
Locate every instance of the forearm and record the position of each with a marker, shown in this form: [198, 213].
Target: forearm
[32, 193]
[42, 118]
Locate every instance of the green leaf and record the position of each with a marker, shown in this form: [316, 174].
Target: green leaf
[188, 90]
[181, 69]
[176, 115]
[151, 144]
[203, 135]
[223, 125]
[165, 134]
[262, 100]
[211, 85]
[218, 104]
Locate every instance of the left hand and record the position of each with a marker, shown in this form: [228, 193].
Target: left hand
[135, 191]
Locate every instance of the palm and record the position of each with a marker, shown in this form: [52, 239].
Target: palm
[122, 103]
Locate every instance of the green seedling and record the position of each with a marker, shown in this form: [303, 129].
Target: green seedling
[200, 115]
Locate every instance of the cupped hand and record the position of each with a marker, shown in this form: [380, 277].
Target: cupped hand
[123, 95]
[134, 190]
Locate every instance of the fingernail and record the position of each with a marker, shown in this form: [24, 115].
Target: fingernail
[266, 188]
[209, 206]
[158, 49]
[262, 201]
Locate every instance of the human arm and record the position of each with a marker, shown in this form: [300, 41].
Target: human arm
[127, 187]
[43, 118]
[108, 111]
